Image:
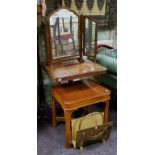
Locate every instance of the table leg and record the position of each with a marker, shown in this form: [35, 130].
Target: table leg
[106, 111]
[68, 127]
[53, 113]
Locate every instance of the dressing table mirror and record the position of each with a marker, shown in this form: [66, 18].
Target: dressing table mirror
[68, 38]
[90, 37]
[63, 36]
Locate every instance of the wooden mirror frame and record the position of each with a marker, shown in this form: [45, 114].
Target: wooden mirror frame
[48, 40]
[83, 29]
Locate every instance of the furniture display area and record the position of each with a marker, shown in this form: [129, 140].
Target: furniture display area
[67, 47]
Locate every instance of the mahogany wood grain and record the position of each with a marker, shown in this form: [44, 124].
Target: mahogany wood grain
[59, 72]
[53, 113]
[39, 9]
[68, 127]
[105, 46]
[77, 95]
[106, 111]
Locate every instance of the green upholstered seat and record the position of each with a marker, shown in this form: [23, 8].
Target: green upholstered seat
[110, 79]
[107, 61]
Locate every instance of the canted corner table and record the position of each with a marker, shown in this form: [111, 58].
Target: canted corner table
[76, 95]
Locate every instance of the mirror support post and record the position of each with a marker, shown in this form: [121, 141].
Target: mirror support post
[81, 28]
[47, 43]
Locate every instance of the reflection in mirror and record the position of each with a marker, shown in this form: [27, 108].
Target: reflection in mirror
[90, 35]
[64, 33]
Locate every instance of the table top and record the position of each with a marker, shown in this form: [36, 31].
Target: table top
[80, 93]
[70, 72]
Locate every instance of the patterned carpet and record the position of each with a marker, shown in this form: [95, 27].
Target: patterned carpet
[51, 141]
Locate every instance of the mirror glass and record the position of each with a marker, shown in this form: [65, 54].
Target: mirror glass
[90, 37]
[64, 34]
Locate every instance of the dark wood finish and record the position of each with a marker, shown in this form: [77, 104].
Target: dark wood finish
[85, 69]
[76, 95]
[39, 9]
[96, 36]
[68, 114]
[105, 46]
[53, 113]
[83, 31]
[90, 34]
[48, 45]
[80, 37]
[106, 111]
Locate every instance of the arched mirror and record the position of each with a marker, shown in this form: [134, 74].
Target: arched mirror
[90, 37]
[63, 35]
[69, 36]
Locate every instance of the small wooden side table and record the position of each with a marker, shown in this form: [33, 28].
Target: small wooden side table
[76, 95]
